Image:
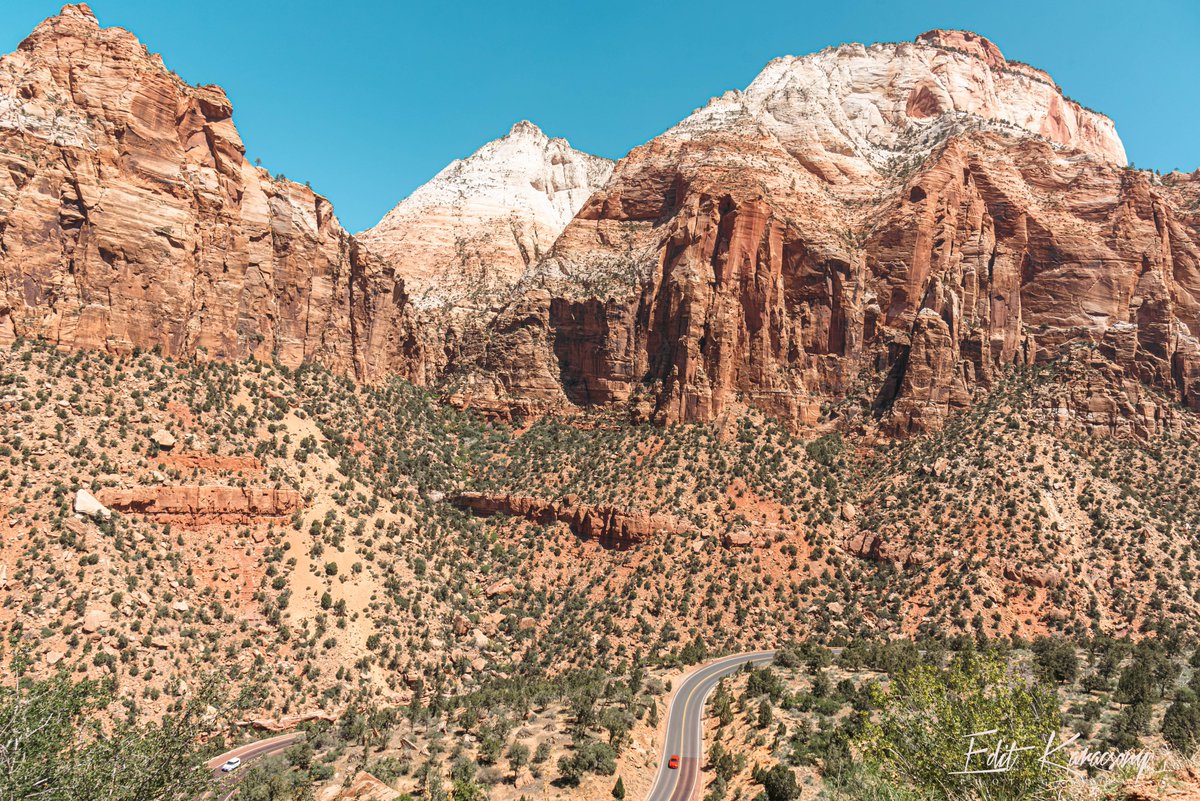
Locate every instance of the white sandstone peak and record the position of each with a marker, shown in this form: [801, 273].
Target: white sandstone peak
[527, 128]
[848, 112]
[482, 220]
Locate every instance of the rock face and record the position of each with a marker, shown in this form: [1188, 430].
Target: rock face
[1033, 576]
[873, 230]
[205, 503]
[474, 229]
[918, 214]
[130, 217]
[289, 722]
[610, 526]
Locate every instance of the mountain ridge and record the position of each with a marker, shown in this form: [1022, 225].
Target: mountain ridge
[762, 251]
[776, 242]
[132, 219]
[482, 220]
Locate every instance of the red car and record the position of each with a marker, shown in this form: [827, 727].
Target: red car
[673, 762]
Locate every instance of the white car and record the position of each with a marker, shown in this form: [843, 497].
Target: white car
[231, 765]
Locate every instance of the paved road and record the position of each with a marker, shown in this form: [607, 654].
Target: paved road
[249, 753]
[685, 730]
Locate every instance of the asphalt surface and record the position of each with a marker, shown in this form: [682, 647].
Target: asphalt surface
[249, 753]
[685, 729]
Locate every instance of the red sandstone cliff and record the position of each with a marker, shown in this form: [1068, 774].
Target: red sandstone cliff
[130, 217]
[785, 248]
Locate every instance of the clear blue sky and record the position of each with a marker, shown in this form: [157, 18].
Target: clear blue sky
[367, 100]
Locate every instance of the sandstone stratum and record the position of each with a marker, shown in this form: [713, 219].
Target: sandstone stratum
[608, 525]
[204, 503]
[863, 236]
[475, 227]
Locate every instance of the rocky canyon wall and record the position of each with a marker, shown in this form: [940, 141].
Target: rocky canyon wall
[866, 232]
[776, 250]
[131, 218]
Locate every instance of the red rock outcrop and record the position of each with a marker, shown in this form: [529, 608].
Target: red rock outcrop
[968, 42]
[878, 548]
[610, 526]
[364, 787]
[194, 460]
[130, 218]
[204, 504]
[289, 722]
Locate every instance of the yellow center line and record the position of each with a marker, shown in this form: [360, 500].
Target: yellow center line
[687, 700]
[683, 729]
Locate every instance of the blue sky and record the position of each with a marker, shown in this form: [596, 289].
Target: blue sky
[367, 100]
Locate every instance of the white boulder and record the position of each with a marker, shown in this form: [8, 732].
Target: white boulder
[86, 504]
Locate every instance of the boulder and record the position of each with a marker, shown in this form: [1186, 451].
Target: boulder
[163, 439]
[94, 620]
[86, 504]
[76, 526]
[504, 586]
[737, 539]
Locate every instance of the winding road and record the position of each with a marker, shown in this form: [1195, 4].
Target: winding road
[684, 737]
[685, 727]
[248, 753]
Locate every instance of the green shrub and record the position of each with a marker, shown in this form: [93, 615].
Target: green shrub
[920, 738]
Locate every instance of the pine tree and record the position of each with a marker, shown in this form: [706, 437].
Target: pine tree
[1181, 727]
